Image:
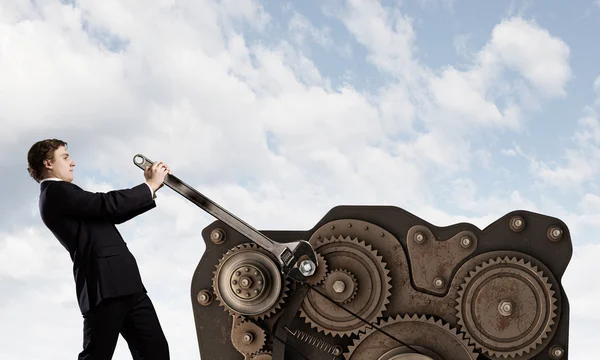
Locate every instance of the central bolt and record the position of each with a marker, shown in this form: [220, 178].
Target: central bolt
[339, 286]
[505, 308]
[245, 282]
[247, 338]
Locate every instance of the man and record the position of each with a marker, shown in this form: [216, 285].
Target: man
[110, 292]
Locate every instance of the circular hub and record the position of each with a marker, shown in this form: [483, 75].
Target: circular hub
[247, 281]
[506, 307]
[370, 287]
[340, 286]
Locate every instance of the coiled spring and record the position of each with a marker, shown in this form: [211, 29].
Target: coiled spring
[316, 342]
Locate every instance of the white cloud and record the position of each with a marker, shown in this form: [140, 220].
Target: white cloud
[253, 125]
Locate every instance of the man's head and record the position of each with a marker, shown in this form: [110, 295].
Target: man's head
[49, 158]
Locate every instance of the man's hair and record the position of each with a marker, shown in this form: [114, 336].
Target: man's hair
[40, 151]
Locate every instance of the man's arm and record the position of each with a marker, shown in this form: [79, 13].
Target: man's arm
[134, 213]
[71, 200]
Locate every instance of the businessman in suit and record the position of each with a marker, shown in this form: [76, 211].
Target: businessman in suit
[111, 295]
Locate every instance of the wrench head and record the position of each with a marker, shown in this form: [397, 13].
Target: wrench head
[301, 249]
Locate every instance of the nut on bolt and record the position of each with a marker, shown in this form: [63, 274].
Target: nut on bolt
[217, 236]
[556, 352]
[419, 237]
[465, 241]
[554, 233]
[517, 223]
[204, 297]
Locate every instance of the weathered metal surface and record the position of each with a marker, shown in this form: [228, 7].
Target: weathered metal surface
[367, 223]
[496, 294]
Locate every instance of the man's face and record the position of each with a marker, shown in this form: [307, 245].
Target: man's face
[61, 166]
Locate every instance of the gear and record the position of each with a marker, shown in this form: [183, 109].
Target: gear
[418, 334]
[372, 293]
[320, 272]
[248, 282]
[340, 285]
[247, 337]
[506, 307]
[262, 355]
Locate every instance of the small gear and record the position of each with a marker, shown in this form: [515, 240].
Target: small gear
[373, 290]
[262, 355]
[320, 272]
[248, 282]
[506, 307]
[340, 285]
[417, 334]
[247, 337]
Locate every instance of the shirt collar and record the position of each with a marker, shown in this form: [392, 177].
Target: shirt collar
[51, 179]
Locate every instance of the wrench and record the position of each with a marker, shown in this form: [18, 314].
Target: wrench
[287, 254]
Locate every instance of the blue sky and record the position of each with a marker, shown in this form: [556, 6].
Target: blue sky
[454, 110]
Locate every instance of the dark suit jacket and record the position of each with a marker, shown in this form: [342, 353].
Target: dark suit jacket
[84, 223]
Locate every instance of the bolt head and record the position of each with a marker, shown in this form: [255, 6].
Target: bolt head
[465, 242]
[247, 338]
[339, 286]
[505, 308]
[438, 282]
[419, 238]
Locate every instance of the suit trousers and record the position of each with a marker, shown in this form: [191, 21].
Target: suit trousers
[132, 316]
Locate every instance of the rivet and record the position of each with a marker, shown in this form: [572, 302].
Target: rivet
[438, 282]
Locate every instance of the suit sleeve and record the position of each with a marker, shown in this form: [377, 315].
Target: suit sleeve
[115, 205]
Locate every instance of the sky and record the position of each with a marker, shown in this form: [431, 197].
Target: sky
[455, 110]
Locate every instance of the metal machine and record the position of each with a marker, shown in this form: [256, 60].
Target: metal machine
[379, 283]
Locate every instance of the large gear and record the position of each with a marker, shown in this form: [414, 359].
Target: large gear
[247, 337]
[432, 338]
[373, 290]
[506, 307]
[248, 282]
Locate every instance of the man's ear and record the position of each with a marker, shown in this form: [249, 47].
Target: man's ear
[48, 164]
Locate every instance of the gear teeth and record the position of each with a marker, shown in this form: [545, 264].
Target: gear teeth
[386, 279]
[283, 291]
[529, 268]
[416, 318]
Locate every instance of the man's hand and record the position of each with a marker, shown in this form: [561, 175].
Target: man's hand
[155, 175]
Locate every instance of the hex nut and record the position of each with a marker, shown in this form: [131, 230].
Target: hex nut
[556, 352]
[204, 297]
[554, 233]
[419, 238]
[517, 223]
[217, 236]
